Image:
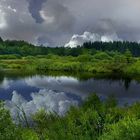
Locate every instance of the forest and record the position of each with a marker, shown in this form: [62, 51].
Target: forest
[23, 48]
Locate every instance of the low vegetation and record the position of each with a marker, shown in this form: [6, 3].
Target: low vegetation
[101, 63]
[93, 120]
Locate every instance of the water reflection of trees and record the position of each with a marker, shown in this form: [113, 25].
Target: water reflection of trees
[1, 77]
[127, 83]
[80, 76]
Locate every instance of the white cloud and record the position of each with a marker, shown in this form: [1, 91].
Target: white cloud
[78, 40]
[49, 100]
[66, 84]
[3, 23]
[6, 83]
[43, 81]
[47, 18]
[12, 9]
[110, 38]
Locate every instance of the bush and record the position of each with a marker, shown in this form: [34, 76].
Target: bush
[127, 129]
[93, 120]
[13, 56]
[8, 130]
[84, 58]
[102, 56]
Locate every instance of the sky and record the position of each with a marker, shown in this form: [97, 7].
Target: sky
[69, 22]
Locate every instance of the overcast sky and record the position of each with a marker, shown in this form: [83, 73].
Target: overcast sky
[54, 22]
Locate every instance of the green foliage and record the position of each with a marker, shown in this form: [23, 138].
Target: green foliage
[135, 68]
[8, 131]
[100, 62]
[28, 134]
[94, 119]
[84, 58]
[98, 57]
[126, 129]
[102, 56]
[25, 49]
[13, 56]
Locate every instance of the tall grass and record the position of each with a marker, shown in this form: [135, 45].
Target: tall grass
[93, 120]
[100, 62]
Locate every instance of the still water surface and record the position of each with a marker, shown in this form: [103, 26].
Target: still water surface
[59, 93]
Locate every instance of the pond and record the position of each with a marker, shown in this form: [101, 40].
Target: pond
[58, 93]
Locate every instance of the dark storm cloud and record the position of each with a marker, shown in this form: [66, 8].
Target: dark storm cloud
[34, 7]
[58, 21]
[55, 30]
[55, 21]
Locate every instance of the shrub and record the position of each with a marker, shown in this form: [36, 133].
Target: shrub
[8, 130]
[127, 129]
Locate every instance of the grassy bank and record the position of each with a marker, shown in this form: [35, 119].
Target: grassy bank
[101, 63]
[94, 120]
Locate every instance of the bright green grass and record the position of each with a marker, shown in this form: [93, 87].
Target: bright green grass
[94, 120]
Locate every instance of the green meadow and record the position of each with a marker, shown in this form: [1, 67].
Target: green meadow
[101, 63]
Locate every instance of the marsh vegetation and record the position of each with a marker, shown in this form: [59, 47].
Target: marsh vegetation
[95, 118]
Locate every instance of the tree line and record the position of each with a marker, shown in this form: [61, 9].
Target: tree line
[24, 49]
